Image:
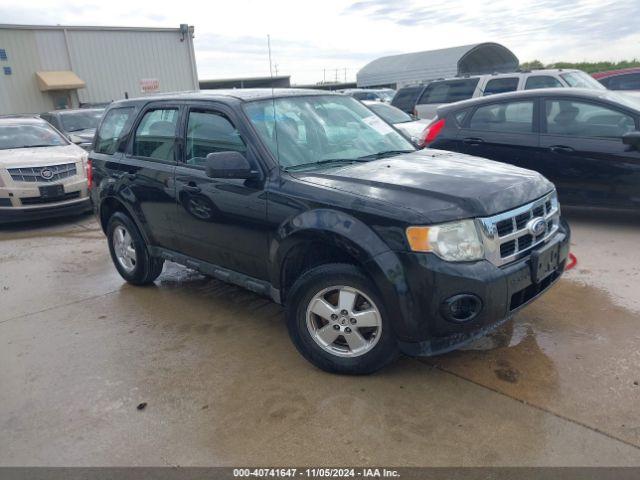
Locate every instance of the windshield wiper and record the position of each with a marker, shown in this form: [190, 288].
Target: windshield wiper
[324, 162]
[38, 145]
[385, 154]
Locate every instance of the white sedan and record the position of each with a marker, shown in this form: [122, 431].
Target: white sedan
[42, 174]
[414, 129]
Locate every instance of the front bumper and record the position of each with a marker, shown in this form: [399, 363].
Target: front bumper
[423, 331]
[63, 209]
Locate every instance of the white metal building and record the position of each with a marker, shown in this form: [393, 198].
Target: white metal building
[417, 67]
[48, 67]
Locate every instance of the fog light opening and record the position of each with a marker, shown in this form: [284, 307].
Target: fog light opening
[461, 308]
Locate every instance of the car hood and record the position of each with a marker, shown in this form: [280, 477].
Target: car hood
[40, 156]
[439, 186]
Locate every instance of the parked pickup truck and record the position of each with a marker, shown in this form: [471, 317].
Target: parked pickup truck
[310, 198]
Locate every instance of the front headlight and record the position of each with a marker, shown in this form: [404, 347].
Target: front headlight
[453, 242]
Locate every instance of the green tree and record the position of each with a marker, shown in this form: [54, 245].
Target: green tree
[589, 67]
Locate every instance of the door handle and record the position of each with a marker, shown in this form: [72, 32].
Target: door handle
[561, 149]
[473, 141]
[191, 188]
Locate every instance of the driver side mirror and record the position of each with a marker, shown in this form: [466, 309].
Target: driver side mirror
[230, 164]
[632, 139]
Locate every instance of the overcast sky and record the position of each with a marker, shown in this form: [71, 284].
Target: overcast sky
[311, 37]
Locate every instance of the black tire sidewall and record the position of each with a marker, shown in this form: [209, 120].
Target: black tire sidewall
[303, 291]
[140, 274]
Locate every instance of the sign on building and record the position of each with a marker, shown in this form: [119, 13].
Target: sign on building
[149, 85]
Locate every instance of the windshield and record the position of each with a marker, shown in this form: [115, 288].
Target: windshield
[76, 121]
[320, 129]
[581, 80]
[26, 136]
[390, 114]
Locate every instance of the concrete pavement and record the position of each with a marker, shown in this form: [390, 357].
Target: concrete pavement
[80, 350]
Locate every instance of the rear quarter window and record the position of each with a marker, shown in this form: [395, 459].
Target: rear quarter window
[448, 91]
[111, 129]
[406, 98]
[542, 81]
[501, 85]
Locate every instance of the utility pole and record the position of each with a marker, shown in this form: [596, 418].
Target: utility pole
[269, 47]
[345, 74]
[324, 75]
[336, 75]
[275, 66]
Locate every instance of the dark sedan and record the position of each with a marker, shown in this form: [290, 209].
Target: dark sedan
[587, 142]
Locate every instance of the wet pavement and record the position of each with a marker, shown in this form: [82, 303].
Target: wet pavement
[223, 385]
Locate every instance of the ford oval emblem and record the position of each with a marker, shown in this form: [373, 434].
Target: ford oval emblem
[537, 226]
[46, 173]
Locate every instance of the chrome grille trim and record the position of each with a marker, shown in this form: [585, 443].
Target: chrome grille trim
[498, 249]
[32, 174]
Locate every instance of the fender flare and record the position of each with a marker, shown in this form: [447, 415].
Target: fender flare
[339, 229]
[127, 209]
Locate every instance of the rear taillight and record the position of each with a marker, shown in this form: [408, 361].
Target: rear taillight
[433, 130]
[89, 174]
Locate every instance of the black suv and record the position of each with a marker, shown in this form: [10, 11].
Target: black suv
[310, 198]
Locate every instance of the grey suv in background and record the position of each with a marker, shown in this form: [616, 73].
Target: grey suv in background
[457, 89]
[78, 125]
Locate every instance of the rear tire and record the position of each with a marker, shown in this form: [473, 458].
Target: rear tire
[129, 252]
[337, 321]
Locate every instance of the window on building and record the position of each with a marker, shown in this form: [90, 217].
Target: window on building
[3, 54]
[511, 117]
[111, 129]
[581, 119]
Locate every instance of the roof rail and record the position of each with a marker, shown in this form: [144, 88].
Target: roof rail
[20, 115]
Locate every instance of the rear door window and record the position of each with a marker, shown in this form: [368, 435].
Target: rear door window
[582, 119]
[111, 130]
[542, 81]
[448, 91]
[155, 136]
[501, 85]
[630, 81]
[508, 117]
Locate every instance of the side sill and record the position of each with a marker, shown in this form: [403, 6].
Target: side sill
[255, 285]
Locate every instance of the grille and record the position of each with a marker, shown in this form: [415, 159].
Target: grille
[34, 174]
[40, 200]
[507, 236]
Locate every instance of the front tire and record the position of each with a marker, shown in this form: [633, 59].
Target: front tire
[129, 252]
[337, 321]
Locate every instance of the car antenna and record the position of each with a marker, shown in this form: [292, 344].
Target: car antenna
[273, 101]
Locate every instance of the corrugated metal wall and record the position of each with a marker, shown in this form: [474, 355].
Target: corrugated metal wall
[111, 62]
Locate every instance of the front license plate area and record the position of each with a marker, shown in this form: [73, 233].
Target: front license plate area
[52, 191]
[544, 261]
